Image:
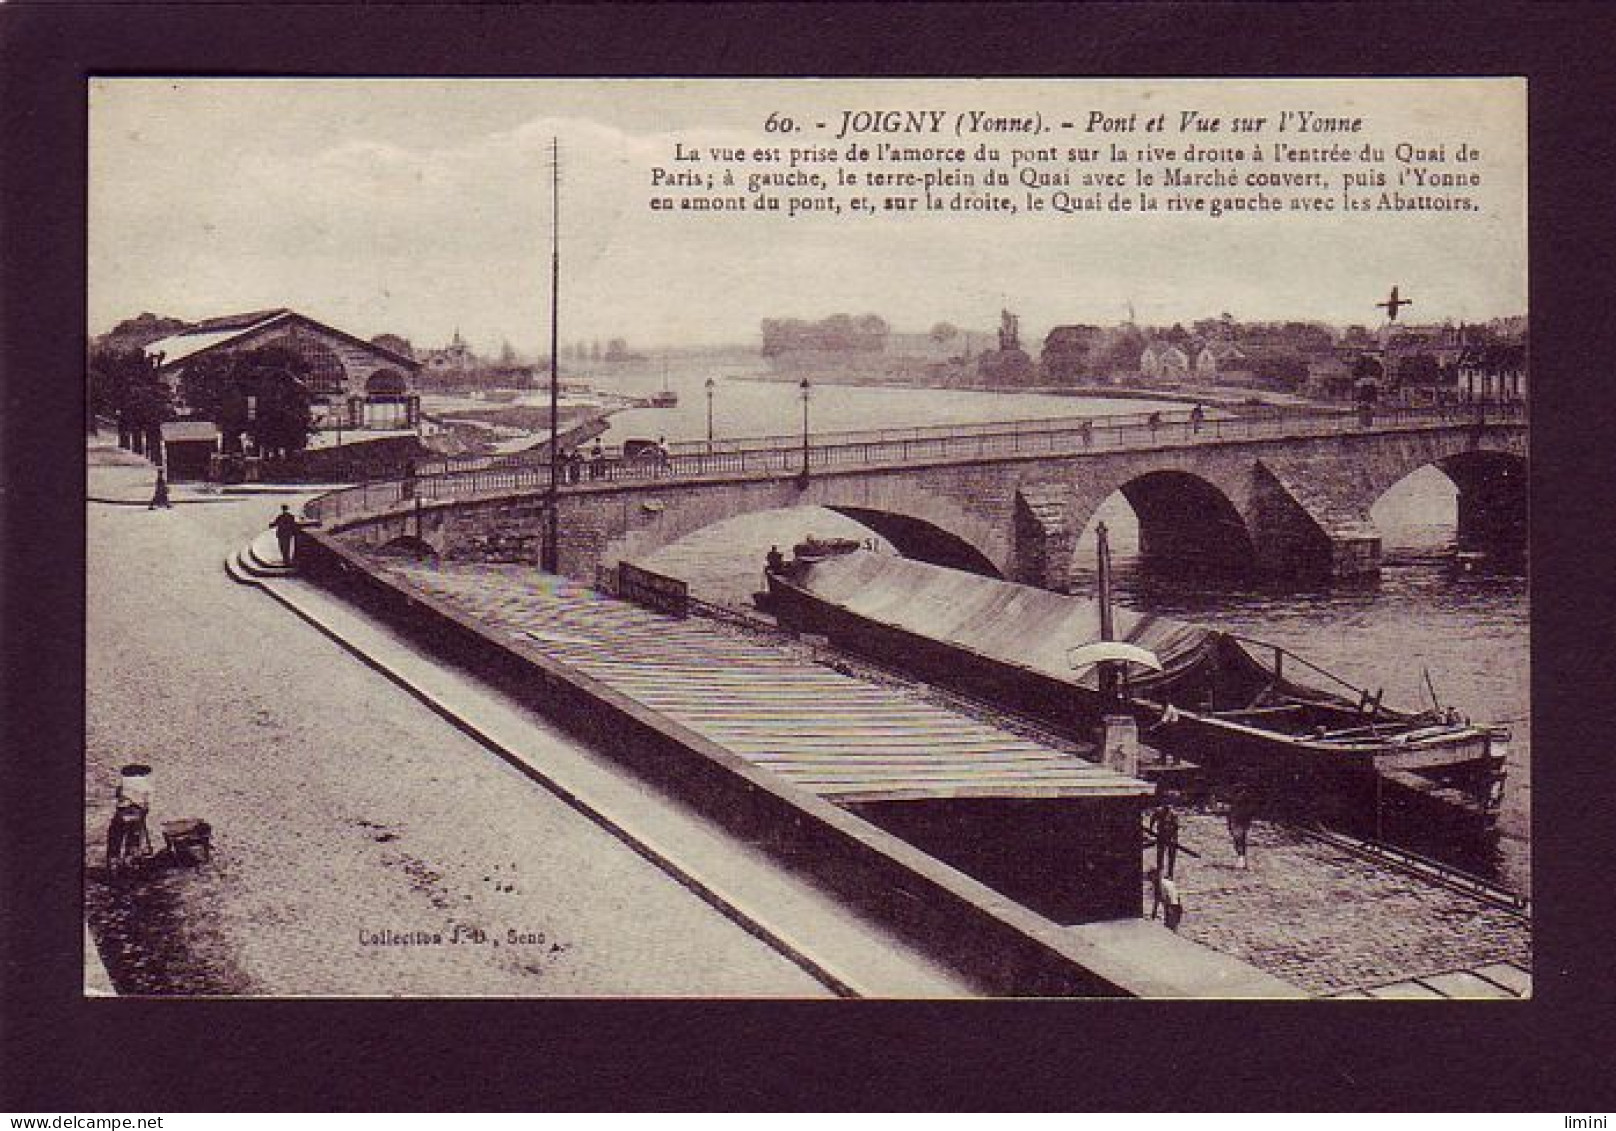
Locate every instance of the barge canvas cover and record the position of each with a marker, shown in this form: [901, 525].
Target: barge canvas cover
[1241, 708]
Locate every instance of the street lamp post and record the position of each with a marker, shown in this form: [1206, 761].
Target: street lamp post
[551, 557]
[806, 391]
[709, 416]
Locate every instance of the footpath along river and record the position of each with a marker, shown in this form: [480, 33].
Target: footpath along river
[1469, 630]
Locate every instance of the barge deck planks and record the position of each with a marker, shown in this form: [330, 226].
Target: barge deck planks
[836, 735]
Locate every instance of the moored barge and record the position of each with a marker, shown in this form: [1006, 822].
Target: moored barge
[1245, 710]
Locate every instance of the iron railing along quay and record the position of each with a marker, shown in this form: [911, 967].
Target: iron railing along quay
[786, 455]
[1424, 868]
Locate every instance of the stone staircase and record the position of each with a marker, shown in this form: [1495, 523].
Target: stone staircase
[258, 560]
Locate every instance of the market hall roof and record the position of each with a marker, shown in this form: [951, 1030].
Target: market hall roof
[212, 333]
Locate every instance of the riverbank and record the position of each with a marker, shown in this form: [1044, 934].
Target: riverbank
[1217, 396]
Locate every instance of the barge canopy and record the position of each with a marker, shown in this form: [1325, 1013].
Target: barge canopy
[1031, 629]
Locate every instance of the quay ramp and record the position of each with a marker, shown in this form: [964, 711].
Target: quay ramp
[847, 954]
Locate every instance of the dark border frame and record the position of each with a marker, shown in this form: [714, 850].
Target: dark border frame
[60, 1053]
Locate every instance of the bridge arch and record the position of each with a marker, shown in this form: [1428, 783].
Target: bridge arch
[922, 540]
[1492, 491]
[1187, 523]
[1492, 499]
[918, 522]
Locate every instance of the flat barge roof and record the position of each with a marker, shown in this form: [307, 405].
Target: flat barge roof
[843, 738]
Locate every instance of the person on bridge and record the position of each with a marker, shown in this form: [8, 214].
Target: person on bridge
[597, 460]
[160, 493]
[1086, 430]
[774, 561]
[1197, 418]
[285, 527]
[1155, 423]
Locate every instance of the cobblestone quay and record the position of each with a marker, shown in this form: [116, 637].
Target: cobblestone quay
[1306, 912]
[354, 828]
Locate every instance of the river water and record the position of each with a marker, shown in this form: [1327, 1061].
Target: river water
[1469, 630]
[746, 405]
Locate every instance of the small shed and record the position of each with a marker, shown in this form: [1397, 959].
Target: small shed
[188, 448]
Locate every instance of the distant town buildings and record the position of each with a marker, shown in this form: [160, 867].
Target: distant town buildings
[456, 366]
[1397, 361]
[1164, 361]
[839, 333]
[451, 363]
[1493, 371]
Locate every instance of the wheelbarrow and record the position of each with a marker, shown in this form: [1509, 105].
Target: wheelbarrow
[189, 841]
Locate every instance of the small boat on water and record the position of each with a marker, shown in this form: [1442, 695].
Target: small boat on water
[665, 397]
[1243, 709]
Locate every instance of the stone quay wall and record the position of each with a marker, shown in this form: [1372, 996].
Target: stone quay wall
[1007, 948]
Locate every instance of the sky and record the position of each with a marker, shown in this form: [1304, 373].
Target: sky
[422, 207]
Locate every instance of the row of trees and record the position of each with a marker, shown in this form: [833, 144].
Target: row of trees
[122, 385]
[260, 394]
[840, 333]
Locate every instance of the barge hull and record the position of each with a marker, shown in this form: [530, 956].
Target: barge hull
[1439, 787]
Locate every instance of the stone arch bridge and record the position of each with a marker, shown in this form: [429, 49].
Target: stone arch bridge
[1283, 493]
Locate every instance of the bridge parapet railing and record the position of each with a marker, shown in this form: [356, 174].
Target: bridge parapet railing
[695, 460]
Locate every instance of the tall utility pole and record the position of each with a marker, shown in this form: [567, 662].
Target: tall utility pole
[710, 385]
[806, 390]
[1109, 672]
[552, 544]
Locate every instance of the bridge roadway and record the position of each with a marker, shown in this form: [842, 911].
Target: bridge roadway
[1286, 492]
[465, 480]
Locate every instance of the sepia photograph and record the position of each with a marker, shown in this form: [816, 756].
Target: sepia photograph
[714, 538]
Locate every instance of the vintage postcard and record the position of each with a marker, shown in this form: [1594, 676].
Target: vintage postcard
[719, 538]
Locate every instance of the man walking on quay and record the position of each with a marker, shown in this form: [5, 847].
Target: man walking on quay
[285, 527]
[160, 493]
[1242, 811]
[1164, 828]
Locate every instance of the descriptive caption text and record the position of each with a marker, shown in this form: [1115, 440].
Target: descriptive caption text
[1185, 162]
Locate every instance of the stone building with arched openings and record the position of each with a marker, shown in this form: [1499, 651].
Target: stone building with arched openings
[355, 385]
